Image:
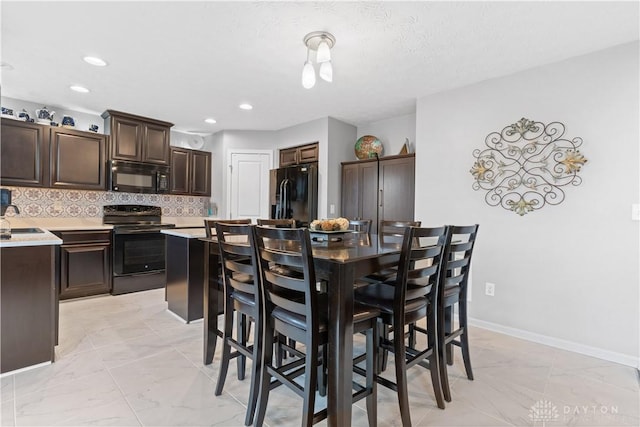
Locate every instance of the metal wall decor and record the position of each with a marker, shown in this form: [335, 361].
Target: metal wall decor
[527, 166]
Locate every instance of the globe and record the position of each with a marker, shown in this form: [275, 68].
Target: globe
[367, 147]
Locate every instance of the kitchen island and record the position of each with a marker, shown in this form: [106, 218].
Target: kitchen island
[28, 299]
[185, 272]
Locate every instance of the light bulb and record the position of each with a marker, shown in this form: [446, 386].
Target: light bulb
[326, 71]
[324, 53]
[308, 75]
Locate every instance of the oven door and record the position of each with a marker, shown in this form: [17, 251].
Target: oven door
[138, 252]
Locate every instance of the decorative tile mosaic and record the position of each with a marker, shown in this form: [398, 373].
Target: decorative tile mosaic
[53, 202]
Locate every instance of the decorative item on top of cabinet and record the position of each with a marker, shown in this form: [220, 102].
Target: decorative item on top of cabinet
[137, 138]
[78, 159]
[190, 172]
[301, 154]
[24, 154]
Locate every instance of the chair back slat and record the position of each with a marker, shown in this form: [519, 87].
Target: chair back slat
[278, 223]
[210, 224]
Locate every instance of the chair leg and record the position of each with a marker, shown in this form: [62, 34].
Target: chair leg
[441, 356]
[242, 339]
[412, 336]
[265, 380]
[372, 385]
[448, 327]
[310, 384]
[383, 333]
[464, 338]
[226, 348]
[256, 371]
[322, 371]
[401, 374]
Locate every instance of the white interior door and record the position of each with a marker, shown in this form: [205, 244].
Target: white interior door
[248, 187]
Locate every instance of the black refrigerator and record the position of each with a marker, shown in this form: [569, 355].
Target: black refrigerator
[294, 193]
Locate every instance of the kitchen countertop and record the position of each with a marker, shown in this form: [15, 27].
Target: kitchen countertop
[187, 233]
[57, 224]
[31, 239]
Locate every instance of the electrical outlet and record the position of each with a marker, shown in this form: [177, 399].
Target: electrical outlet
[490, 289]
[57, 207]
[332, 209]
[635, 212]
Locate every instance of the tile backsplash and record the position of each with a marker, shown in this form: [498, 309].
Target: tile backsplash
[53, 202]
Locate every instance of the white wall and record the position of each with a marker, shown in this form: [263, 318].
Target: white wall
[568, 272]
[392, 132]
[341, 138]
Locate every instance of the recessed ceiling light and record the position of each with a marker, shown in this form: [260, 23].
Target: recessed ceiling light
[246, 106]
[80, 89]
[93, 60]
[212, 121]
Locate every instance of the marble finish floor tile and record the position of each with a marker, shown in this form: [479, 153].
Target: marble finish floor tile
[127, 361]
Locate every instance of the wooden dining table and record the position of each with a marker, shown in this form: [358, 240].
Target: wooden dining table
[340, 264]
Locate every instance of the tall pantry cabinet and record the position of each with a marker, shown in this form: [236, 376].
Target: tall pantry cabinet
[379, 189]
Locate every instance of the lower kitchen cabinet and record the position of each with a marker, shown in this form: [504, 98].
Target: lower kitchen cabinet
[27, 307]
[185, 276]
[85, 263]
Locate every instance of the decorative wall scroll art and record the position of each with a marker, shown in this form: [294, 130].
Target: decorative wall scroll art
[527, 166]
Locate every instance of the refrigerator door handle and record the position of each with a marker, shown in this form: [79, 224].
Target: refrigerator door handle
[287, 202]
[280, 202]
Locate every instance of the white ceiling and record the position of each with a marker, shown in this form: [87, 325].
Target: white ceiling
[183, 62]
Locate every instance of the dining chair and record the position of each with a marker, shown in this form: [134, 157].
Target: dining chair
[410, 296]
[209, 227]
[242, 297]
[456, 278]
[360, 225]
[278, 223]
[296, 309]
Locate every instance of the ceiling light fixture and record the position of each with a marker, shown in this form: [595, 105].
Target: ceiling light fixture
[245, 106]
[94, 60]
[80, 89]
[211, 121]
[322, 42]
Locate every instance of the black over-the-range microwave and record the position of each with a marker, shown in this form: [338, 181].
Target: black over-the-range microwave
[136, 177]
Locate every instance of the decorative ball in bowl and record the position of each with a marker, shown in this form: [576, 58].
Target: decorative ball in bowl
[334, 224]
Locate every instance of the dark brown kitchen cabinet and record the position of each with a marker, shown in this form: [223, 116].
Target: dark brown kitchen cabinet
[137, 138]
[24, 154]
[190, 172]
[379, 190]
[27, 307]
[85, 263]
[78, 159]
[298, 155]
[360, 189]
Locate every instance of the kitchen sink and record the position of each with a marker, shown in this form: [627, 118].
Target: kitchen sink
[26, 230]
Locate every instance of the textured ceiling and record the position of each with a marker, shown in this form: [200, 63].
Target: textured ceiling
[185, 61]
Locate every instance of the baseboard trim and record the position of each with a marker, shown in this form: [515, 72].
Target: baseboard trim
[623, 359]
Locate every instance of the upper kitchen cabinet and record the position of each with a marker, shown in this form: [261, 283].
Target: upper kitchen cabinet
[136, 138]
[78, 159]
[297, 155]
[190, 172]
[24, 154]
